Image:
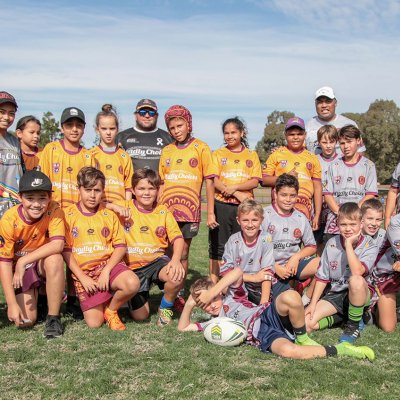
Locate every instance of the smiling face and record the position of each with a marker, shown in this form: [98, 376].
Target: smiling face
[145, 121]
[250, 224]
[145, 194]
[107, 129]
[90, 198]
[326, 108]
[30, 135]
[179, 129]
[73, 131]
[295, 138]
[233, 136]
[34, 204]
[7, 116]
[349, 227]
[372, 220]
[285, 199]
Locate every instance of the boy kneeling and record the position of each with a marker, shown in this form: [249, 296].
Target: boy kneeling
[31, 242]
[95, 246]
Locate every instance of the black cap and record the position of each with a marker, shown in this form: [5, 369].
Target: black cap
[146, 103]
[72, 112]
[6, 97]
[34, 181]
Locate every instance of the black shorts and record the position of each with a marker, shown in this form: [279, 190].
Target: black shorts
[189, 229]
[217, 238]
[340, 300]
[319, 234]
[147, 276]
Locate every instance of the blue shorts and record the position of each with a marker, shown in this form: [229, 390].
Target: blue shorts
[283, 285]
[271, 328]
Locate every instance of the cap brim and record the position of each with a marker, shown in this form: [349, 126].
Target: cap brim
[4, 101]
[146, 106]
[295, 125]
[74, 117]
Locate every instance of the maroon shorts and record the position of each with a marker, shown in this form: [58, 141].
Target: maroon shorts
[31, 279]
[386, 284]
[87, 300]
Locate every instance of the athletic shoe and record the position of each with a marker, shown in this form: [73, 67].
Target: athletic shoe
[347, 349]
[179, 304]
[164, 316]
[307, 342]
[74, 311]
[112, 319]
[350, 334]
[53, 327]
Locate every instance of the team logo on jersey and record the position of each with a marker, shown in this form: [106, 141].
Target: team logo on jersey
[297, 233]
[69, 169]
[160, 231]
[162, 212]
[285, 230]
[132, 140]
[56, 168]
[283, 163]
[338, 179]
[159, 142]
[19, 242]
[224, 161]
[296, 164]
[361, 180]
[333, 265]
[120, 170]
[249, 163]
[397, 244]
[309, 166]
[179, 161]
[193, 162]
[2, 242]
[144, 229]
[226, 308]
[236, 162]
[74, 232]
[250, 261]
[196, 145]
[271, 228]
[105, 231]
[168, 162]
[87, 156]
[90, 231]
[108, 166]
[238, 260]
[349, 179]
[127, 226]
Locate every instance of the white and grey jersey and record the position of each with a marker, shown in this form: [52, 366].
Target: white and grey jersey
[384, 263]
[315, 123]
[396, 185]
[334, 267]
[250, 259]
[288, 232]
[380, 239]
[393, 233]
[349, 183]
[325, 163]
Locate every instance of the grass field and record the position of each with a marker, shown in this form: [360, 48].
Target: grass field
[145, 362]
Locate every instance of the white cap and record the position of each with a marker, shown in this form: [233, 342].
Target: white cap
[325, 91]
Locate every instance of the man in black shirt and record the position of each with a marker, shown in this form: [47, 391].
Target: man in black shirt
[144, 141]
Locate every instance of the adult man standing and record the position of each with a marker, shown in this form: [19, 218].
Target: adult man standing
[144, 141]
[325, 105]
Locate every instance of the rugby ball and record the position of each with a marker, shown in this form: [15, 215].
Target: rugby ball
[225, 332]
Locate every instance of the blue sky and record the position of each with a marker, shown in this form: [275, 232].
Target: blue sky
[218, 58]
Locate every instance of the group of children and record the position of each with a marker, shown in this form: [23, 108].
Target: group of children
[119, 231]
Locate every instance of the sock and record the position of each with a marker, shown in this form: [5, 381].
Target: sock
[331, 351]
[329, 322]
[165, 303]
[355, 313]
[300, 331]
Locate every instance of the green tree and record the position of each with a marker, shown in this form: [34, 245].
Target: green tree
[50, 131]
[273, 133]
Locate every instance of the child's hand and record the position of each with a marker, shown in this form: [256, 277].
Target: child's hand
[15, 315]
[241, 196]
[292, 265]
[263, 275]
[310, 310]
[18, 274]
[396, 266]
[203, 298]
[175, 271]
[315, 223]
[121, 211]
[89, 284]
[352, 240]
[282, 271]
[103, 283]
[229, 190]
[211, 221]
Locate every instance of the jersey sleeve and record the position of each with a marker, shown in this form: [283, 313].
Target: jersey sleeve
[328, 189]
[45, 160]
[256, 172]
[68, 234]
[57, 225]
[368, 255]
[118, 236]
[7, 239]
[317, 172]
[270, 165]
[173, 231]
[209, 168]
[308, 235]
[161, 165]
[128, 172]
[228, 258]
[322, 273]
[267, 257]
[371, 186]
[393, 234]
[217, 164]
[396, 178]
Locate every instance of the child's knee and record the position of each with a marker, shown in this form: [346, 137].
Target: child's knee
[290, 298]
[94, 323]
[132, 285]
[356, 283]
[140, 315]
[388, 326]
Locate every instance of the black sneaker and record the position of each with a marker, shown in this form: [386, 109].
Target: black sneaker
[350, 334]
[74, 311]
[53, 327]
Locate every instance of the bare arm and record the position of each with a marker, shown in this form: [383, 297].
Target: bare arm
[390, 205]
[356, 267]
[175, 267]
[317, 202]
[330, 201]
[184, 323]
[365, 198]
[210, 192]
[269, 181]
[265, 291]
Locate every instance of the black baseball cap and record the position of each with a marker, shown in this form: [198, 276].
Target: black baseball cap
[72, 112]
[6, 97]
[146, 103]
[35, 181]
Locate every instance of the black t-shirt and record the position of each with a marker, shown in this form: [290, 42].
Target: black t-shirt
[144, 147]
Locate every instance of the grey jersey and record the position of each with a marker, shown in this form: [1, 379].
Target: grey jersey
[334, 268]
[393, 234]
[349, 183]
[315, 123]
[11, 170]
[396, 185]
[250, 259]
[288, 232]
[325, 163]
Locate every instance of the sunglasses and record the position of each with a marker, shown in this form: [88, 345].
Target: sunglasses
[143, 113]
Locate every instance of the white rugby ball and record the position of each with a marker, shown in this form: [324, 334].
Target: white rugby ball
[225, 331]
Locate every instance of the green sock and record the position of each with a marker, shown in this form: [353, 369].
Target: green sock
[329, 322]
[355, 313]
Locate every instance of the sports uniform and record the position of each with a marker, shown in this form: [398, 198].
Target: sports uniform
[234, 167]
[92, 238]
[117, 167]
[308, 168]
[395, 184]
[349, 183]
[62, 167]
[144, 147]
[31, 160]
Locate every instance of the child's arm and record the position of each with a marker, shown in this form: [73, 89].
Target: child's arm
[330, 201]
[124, 212]
[390, 204]
[356, 267]
[184, 323]
[128, 195]
[219, 185]
[293, 262]
[206, 296]
[265, 291]
[269, 181]
[54, 247]
[103, 283]
[175, 267]
[210, 192]
[244, 186]
[317, 203]
[365, 198]
[14, 313]
[317, 293]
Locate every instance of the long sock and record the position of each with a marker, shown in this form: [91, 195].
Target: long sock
[301, 334]
[355, 313]
[165, 303]
[329, 322]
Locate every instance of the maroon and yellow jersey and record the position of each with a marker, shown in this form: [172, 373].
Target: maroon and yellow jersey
[236, 167]
[182, 170]
[31, 160]
[148, 233]
[117, 168]
[308, 168]
[92, 237]
[62, 167]
[19, 237]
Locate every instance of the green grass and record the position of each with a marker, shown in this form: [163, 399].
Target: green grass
[145, 362]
